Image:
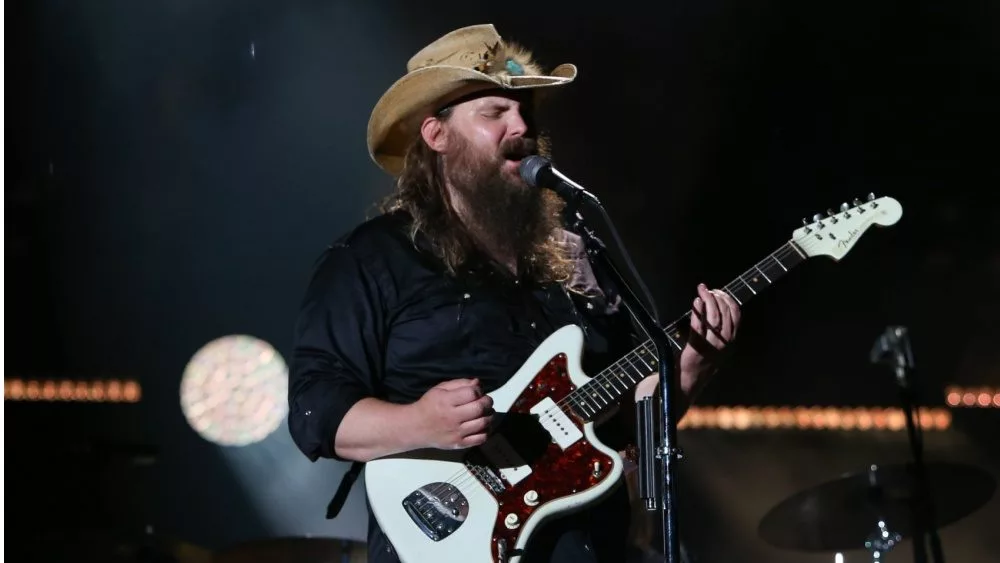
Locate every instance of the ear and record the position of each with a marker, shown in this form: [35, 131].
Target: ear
[433, 131]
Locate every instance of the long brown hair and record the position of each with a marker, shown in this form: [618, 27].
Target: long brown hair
[421, 192]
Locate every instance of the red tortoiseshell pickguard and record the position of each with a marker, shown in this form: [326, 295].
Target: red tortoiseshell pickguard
[557, 473]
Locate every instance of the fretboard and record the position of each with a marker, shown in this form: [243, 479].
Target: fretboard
[607, 387]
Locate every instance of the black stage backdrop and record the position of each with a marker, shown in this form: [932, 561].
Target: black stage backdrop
[174, 168]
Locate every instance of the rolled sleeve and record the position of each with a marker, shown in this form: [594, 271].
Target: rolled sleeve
[337, 356]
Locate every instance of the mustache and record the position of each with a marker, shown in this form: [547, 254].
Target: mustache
[518, 148]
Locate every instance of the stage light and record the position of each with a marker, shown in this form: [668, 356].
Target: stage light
[740, 418]
[982, 397]
[57, 390]
[954, 398]
[234, 391]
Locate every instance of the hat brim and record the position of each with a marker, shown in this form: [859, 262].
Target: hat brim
[396, 117]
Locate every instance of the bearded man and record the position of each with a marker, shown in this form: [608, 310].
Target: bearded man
[414, 316]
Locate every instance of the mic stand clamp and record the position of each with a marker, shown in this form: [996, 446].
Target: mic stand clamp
[645, 425]
[667, 453]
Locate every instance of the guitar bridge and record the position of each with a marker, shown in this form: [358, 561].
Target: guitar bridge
[438, 509]
[478, 465]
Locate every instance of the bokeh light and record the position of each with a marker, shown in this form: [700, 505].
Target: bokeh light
[234, 390]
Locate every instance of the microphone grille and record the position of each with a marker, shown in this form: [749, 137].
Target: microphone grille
[531, 166]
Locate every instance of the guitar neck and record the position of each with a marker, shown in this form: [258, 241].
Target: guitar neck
[607, 387]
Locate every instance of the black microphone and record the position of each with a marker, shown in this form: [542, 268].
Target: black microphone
[537, 171]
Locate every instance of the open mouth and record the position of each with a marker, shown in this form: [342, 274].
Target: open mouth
[513, 164]
[516, 158]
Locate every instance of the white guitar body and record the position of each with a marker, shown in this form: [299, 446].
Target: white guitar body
[493, 525]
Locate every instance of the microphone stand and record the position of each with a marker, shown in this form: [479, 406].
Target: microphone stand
[896, 343]
[668, 453]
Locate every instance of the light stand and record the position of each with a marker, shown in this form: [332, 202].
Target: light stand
[893, 348]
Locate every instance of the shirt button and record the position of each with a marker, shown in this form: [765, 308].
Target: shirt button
[466, 296]
[533, 324]
[308, 413]
[590, 305]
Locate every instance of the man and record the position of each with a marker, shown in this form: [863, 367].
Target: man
[411, 318]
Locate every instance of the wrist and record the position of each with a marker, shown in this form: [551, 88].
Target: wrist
[413, 427]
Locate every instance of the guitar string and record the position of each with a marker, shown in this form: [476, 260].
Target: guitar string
[607, 374]
[464, 476]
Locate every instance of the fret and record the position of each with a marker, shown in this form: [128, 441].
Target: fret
[652, 350]
[596, 395]
[612, 379]
[636, 371]
[643, 361]
[733, 295]
[763, 274]
[756, 282]
[796, 249]
[739, 292]
[628, 377]
[619, 371]
[578, 406]
[586, 406]
[608, 387]
[750, 287]
[674, 336]
[779, 263]
[772, 269]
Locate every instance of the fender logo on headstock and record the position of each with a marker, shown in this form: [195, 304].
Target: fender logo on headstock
[851, 235]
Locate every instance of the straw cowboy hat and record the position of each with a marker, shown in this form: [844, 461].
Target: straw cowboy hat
[457, 64]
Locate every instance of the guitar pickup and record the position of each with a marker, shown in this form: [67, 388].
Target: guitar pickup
[552, 418]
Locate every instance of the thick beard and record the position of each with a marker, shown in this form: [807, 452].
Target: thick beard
[506, 216]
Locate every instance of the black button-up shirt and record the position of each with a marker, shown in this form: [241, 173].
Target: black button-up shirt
[381, 318]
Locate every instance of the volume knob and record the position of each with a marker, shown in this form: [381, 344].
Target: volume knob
[511, 521]
[531, 498]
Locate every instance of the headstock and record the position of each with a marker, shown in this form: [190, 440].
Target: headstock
[837, 233]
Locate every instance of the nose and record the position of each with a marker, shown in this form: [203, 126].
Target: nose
[516, 124]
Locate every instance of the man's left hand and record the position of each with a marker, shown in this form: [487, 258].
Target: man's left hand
[715, 318]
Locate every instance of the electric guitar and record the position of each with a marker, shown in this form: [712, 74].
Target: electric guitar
[481, 505]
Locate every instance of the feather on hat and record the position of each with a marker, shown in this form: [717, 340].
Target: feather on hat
[457, 64]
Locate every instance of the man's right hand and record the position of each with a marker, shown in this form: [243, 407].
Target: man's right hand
[453, 415]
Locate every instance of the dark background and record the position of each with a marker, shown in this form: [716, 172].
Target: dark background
[167, 184]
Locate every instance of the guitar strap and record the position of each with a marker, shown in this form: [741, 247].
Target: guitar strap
[337, 502]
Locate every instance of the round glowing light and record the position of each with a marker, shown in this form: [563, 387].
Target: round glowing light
[742, 418]
[942, 419]
[848, 420]
[234, 390]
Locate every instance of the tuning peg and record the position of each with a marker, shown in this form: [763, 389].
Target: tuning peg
[829, 212]
[844, 207]
[817, 217]
[856, 202]
[871, 197]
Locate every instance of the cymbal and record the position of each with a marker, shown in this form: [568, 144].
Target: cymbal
[293, 550]
[840, 515]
